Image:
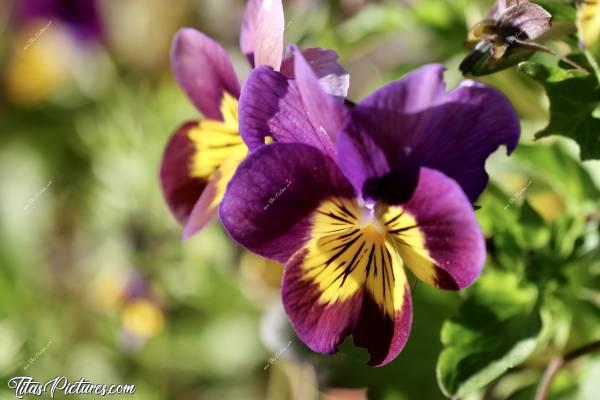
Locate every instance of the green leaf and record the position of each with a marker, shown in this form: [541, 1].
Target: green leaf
[534, 233]
[495, 329]
[554, 165]
[496, 211]
[499, 220]
[574, 96]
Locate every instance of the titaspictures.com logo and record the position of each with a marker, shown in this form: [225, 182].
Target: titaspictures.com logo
[26, 385]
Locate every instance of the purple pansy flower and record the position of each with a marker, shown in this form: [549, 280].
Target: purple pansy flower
[202, 155]
[348, 199]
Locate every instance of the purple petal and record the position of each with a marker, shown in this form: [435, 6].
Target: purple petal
[334, 79]
[365, 163]
[267, 46]
[248, 33]
[414, 122]
[203, 70]
[438, 235]
[197, 164]
[180, 189]
[499, 7]
[527, 17]
[271, 105]
[270, 198]
[204, 210]
[472, 124]
[322, 327]
[372, 142]
[347, 279]
[325, 112]
[289, 110]
[382, 336]
[208, 203]
[417, 91]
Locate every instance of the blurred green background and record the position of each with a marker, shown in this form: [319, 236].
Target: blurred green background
[95, 281]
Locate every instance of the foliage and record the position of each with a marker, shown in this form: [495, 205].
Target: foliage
[541, 263]
[571, 116]
[64, 261]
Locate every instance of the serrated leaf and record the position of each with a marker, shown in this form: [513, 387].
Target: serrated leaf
[495, 329]
[574, 96]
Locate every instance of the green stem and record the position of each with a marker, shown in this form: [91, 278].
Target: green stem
[538, 47]
[557, 363]
[592, 60]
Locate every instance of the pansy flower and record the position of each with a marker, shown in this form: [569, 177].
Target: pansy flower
[202, 155]
[391, 191]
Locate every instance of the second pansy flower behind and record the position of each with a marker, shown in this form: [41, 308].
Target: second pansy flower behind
[202, 155]
[356, 197]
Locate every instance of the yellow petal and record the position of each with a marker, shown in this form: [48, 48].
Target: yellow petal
[346, 255]
[409, 242]
[217, 141]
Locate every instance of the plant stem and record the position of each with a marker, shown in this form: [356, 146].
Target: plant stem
[539, 47]
[557, 363]
[592, 60]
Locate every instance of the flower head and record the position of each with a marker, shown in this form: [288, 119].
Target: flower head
[202, 155]
[504, 38]
[391, 189]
